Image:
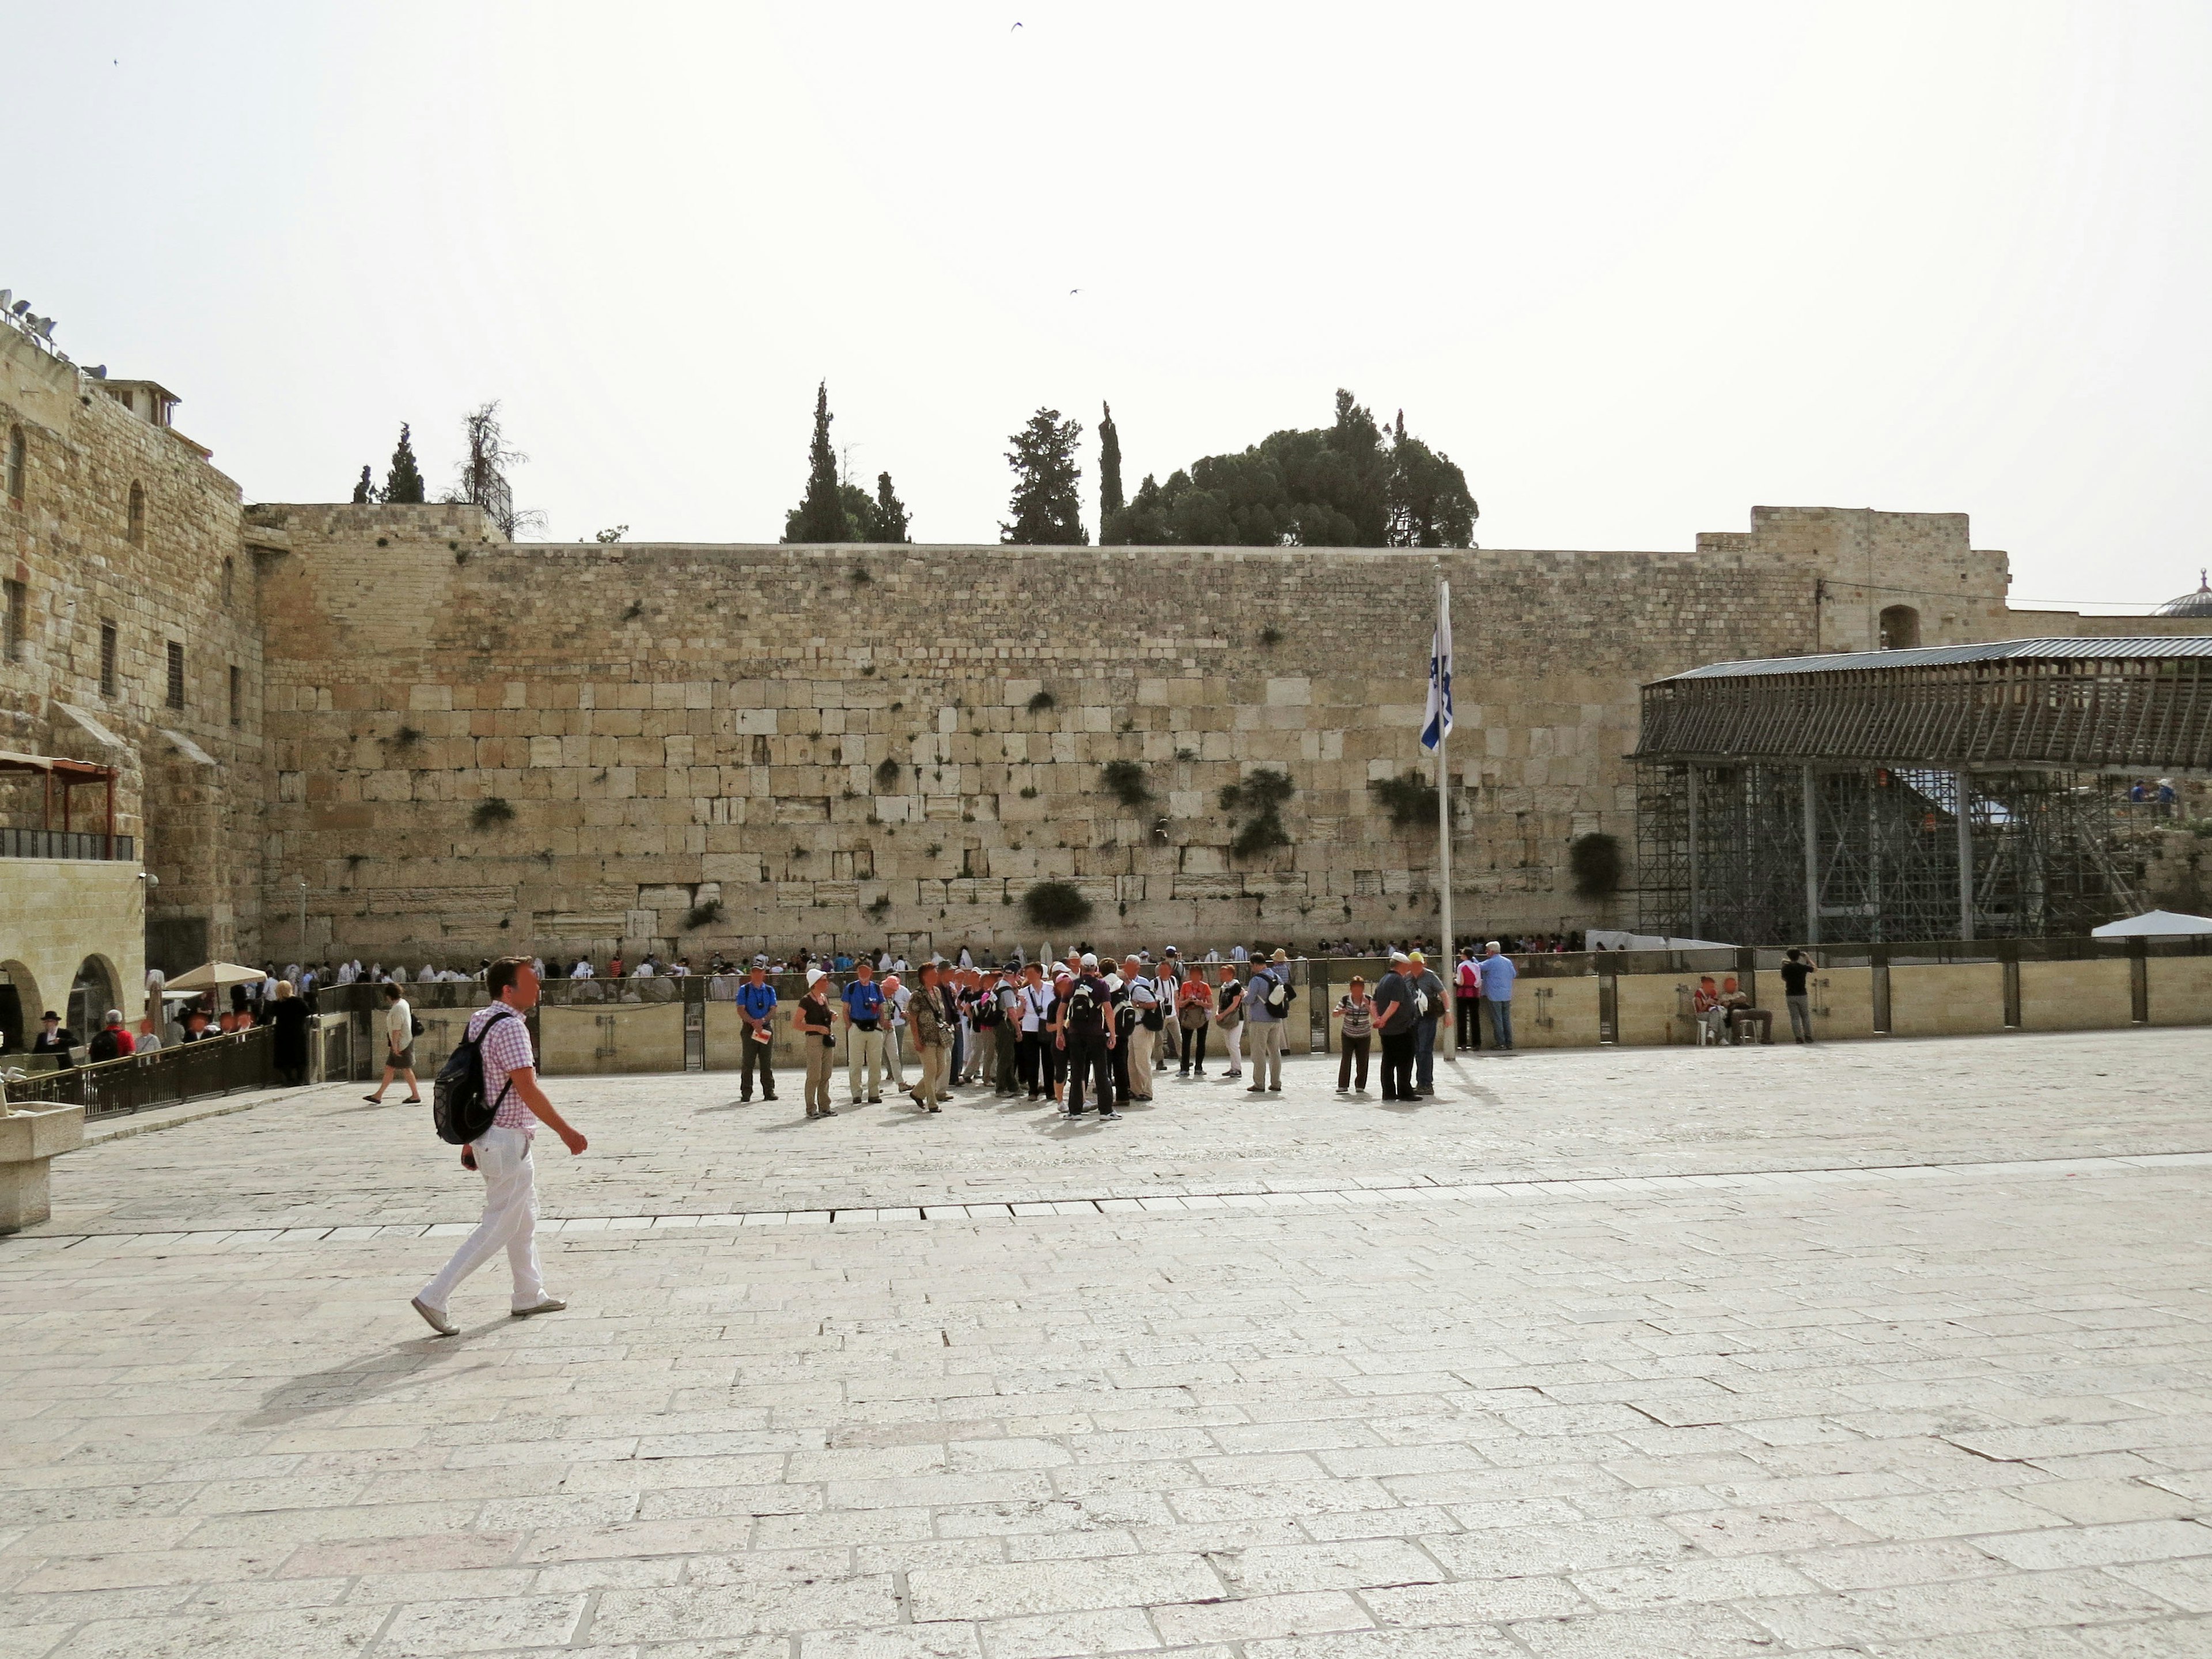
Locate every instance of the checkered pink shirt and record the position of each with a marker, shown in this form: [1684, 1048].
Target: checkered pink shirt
[506, 1049]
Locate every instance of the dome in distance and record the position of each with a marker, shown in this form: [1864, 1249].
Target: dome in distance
[2198, 604]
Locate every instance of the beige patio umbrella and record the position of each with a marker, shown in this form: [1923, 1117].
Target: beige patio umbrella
[216, 976]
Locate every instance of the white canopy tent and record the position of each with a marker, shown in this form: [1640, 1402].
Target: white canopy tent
[2154, 924]
[1606, 939]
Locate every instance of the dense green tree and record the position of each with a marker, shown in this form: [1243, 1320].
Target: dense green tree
[363, 491]
[1047, 508]
[1109, 469]
[821, 515]
[887, 520]
[403, 484]
[1342, 485]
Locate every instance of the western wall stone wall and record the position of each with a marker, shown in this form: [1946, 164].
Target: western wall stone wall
[841, 743]
[185, 576]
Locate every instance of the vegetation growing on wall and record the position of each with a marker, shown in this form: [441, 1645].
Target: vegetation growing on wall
[1595, 863]
[1127, 781]
[1409, 797]
[1055, 904]
[1258, 799]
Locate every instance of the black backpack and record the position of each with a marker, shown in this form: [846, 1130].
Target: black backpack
[1084, 1014]
[457, 1106]
[105, 1047]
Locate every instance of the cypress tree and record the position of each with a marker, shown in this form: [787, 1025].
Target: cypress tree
[1110, 501]
[363, 491]
[402, 485]
[1047, 508]
[888, 522]
[820, 516]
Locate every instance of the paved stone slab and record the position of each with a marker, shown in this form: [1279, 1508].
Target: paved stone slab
[1723, 1352]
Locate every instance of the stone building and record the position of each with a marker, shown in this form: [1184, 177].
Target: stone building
[451, 745]
[132, 642]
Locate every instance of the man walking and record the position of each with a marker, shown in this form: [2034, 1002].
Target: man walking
[398, 1047]
[1429, 1007]
[1497, 976]
[1268, 997]
[1394, 1020]
[1796, 970]
[757, 1002]
[864, 1033]
[502, 1153]
[1083, 1027]
[932, 1041]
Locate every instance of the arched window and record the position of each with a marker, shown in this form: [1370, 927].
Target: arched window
[90, 997]
[1900, 627]
[135, 527]
[16, 450]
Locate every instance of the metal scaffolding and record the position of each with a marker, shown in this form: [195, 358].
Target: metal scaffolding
[1722, 853]
[1957, 792]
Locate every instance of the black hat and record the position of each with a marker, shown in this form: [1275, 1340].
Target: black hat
[49, 1014]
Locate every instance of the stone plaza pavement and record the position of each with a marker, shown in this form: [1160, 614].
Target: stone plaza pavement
[1888, 1349]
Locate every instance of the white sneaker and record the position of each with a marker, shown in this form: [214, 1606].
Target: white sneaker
[544, 1304]
[434, 1318]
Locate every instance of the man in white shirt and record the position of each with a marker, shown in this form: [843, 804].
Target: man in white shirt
[398, 1047]
[502, 1153]
[582, 969]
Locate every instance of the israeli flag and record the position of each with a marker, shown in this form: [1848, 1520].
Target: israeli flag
[1437, 720]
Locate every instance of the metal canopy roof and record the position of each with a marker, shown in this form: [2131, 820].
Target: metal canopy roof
[2131, 647]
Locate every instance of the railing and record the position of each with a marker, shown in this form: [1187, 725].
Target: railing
[64, 844]
[167, 1077]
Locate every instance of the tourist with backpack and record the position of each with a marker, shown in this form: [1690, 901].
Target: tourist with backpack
[1268, 998]
[1083, 1032]
[487, 1100]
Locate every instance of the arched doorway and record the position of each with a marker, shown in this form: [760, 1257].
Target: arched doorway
[1900, 627]
[19, 1007]
[91, 997]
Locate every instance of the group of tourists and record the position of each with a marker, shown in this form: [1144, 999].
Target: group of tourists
[1081, 1035]
[1406, 1008]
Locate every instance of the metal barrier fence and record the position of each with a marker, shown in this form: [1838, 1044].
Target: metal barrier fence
[168, 1077]
[64, 844]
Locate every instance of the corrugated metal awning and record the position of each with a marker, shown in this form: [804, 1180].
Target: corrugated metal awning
[2131, 647]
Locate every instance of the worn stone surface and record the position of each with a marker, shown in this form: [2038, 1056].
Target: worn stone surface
[802, 736]
[1957, 1405]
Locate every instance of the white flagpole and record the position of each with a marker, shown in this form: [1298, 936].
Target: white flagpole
[1448, 971]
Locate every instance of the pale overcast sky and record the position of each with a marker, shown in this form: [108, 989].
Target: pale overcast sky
[1634, 268]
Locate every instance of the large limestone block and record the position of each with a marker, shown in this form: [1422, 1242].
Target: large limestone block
[29, 1142]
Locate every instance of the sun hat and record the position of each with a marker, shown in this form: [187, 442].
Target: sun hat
[814, 976]
[1281, 955]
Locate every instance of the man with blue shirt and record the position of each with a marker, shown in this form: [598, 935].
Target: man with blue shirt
[1497, 976]
[757, 1002]
[864, 1031]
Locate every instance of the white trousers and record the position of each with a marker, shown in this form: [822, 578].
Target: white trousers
[510, 1220]
[1234, 1035]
